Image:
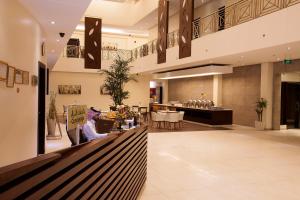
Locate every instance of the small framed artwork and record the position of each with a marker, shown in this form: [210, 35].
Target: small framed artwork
[25, 78]
[34, 80]
[3, 71]
[10, 78]
[18, 76]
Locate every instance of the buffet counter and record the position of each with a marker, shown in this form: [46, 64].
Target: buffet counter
[213, 116]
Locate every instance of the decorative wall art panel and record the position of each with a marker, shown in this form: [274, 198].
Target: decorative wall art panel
[92, 52]
[25, 78]
[185, 28]
[163, 21]
[69, 89]
[3, 71]
[10, 79]
[18, 76]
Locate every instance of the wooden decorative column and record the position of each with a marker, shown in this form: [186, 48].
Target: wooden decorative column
[92, 43]
[185, 28]
[163, 20]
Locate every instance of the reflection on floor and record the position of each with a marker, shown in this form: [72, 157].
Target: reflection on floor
[64, 142]
[228, 164]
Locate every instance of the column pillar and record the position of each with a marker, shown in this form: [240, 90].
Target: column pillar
[217, 90]
[266, 92]
[165, 86]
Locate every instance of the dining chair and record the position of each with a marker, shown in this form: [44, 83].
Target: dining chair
[135, 108]
[181, 115]
[144, 113]
[172, 118]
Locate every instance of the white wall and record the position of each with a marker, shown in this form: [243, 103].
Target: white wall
[90, 90]
[20, 39]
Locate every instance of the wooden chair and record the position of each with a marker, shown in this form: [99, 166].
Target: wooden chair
[135, 108]
[144, 113]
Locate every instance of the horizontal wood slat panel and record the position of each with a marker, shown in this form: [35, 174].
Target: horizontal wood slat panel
[88, 185]
[101, 169]
[124, 181]
[116, 170]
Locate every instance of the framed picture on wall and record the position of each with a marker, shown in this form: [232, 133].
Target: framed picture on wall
[18, 76]
[69, 89]
[25, 78]
[34, 80]
[10, 78]
[3, 71]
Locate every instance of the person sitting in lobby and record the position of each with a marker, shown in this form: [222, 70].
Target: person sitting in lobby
[90, 132]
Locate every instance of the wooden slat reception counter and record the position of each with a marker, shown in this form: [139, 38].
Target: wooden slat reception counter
[110, 168]
[206, 116]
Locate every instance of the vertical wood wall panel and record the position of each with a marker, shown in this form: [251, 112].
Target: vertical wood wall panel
[185, 28]
[92, 43]
[163, 20]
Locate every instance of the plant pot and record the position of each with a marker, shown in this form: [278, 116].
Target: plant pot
[260, 126]
[51, 125]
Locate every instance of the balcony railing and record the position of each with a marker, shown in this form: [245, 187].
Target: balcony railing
[72, 51]
[225, 17]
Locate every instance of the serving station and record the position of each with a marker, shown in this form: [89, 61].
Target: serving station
[209, 115]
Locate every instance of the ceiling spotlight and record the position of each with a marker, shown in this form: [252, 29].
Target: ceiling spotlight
[53, 22]
[57, 40]
[289, 48]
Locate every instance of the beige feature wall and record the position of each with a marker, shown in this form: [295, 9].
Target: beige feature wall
[241, 90]
[20, 39]
[190, 88]
[90, 90]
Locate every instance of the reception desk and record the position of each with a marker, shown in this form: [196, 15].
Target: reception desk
[110, 168]
[205, 116]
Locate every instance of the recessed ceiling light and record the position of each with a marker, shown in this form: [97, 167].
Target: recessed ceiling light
[57, 40]
[289, 48]
[52, 22]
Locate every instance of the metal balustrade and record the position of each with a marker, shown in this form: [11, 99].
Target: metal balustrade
[226, 17]
[72, 51]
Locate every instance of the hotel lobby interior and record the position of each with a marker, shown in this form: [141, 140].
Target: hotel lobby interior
[150, 99]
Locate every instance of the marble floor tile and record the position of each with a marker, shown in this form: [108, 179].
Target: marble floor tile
[228, 164]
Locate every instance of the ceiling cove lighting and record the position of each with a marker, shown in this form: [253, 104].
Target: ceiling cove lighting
[80, 27]
[195, 72]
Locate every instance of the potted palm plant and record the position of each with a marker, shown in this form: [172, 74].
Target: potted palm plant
[51, 119]
[261, 104]
[117, 76]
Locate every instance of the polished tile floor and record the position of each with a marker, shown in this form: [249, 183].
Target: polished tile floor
[227, 164]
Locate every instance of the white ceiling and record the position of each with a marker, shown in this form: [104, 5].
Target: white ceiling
[65, 13]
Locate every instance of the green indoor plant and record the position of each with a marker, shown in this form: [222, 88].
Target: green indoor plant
[51, 119]
[261, 104]
[117, 76]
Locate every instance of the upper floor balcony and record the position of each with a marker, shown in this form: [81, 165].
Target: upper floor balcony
[271, 25]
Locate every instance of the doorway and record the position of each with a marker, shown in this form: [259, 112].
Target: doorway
[290, 104]
[41, 108]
